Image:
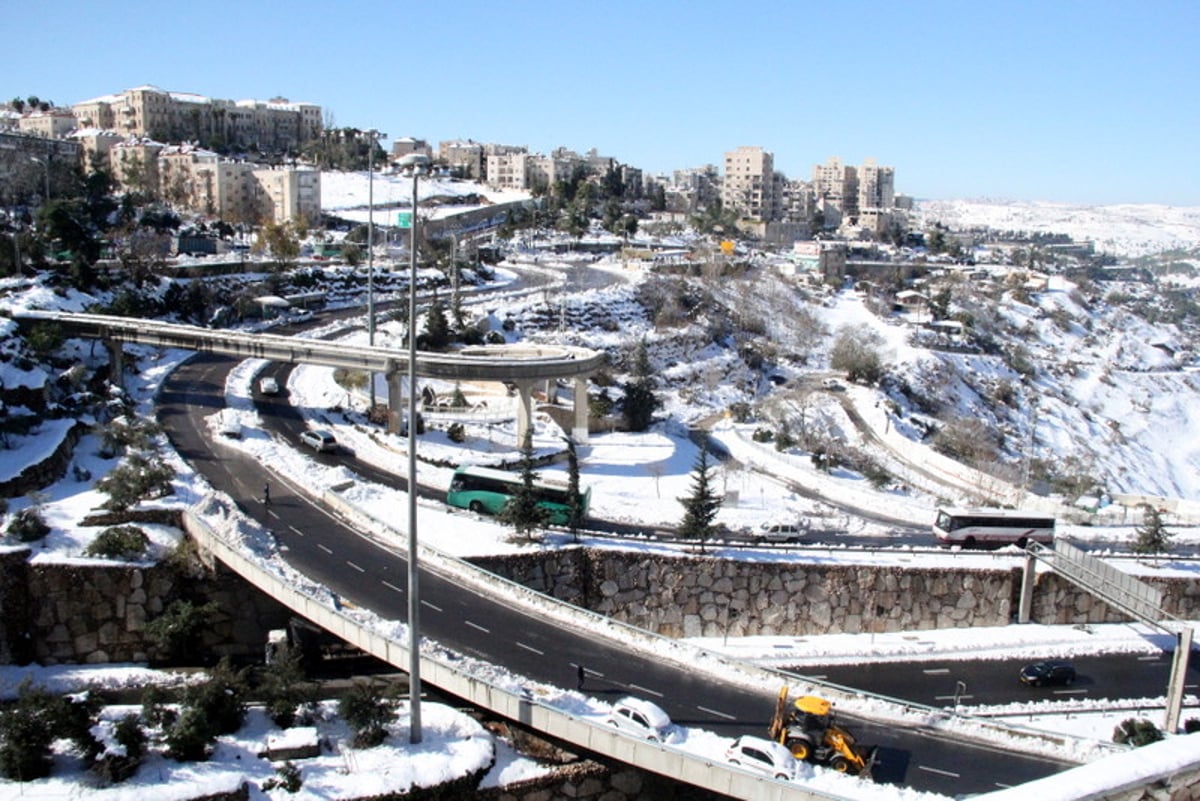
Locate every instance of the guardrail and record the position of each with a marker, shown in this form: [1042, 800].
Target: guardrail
[484, 365]
[513, 703]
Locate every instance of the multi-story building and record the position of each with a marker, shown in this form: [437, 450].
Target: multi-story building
[694, 189]
[407, 145]
[147, 111]
[464, 159]
[96, 145]
[836, 184]
[863, 197]
[288, 193]
[876, 186]
[750, 187]
[54, 123]
[507, 167]
[200, 180]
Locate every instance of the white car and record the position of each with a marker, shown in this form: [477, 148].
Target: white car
[319, 440]
[639, 717]
[764, 756]
[779, 531]
[267, 385]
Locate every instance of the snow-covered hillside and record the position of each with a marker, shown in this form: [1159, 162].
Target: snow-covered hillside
[1124, 230]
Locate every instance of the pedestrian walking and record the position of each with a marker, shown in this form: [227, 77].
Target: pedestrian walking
[581, 673]
[267, 494]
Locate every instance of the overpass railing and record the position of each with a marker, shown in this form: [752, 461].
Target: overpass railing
[386, 641]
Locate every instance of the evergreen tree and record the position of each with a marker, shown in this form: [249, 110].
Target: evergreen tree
[701, 507]
[437, 327]
[640, 401]
[574, 499]
[368, 711]
[522, 511]
[27, 732]
[1152, 535]
[283, 688]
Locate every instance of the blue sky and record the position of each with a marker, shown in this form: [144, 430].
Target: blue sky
[1090, 102]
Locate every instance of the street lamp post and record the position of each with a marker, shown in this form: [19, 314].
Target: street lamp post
[415, 162]
[375, 136]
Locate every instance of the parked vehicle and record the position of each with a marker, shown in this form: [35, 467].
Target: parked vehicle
[1047, 672]
[267, 385]
[763, 756]
[319, 440]
[808, 730]
[641, 718]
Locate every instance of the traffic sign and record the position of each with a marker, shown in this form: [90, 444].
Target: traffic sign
[404, 219]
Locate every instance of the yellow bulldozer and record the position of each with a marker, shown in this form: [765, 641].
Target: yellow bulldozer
[806, 726]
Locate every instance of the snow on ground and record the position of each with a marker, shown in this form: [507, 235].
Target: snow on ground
[1123, 230]
[635, 478]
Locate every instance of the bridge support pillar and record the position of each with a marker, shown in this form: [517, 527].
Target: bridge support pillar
[1028, 575]
[116, 358]
[580, 433]
[551, 390]
[395, 410]
[524, 411]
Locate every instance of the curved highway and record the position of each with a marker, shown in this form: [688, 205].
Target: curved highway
[365, 574]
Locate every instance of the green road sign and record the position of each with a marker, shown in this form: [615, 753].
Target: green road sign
[404, 219]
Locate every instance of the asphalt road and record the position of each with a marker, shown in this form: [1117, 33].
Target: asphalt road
[363, 573]
[994, 682]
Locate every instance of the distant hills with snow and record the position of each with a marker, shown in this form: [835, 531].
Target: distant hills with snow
[1126, 230]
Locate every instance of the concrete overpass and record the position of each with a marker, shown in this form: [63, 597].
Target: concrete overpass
[521, 365]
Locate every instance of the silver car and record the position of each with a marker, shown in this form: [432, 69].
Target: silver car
[319, 440]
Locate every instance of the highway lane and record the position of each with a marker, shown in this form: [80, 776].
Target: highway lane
[362, 573]
[994, 681]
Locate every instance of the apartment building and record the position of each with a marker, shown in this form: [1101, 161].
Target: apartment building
[836, 184]
[750, 187]
[202, 181]
[464, 159]
[54, 123]
[407, 145]
[693, 189]
[147, 111]
[862, 197]
[876, 186]
[507, 167]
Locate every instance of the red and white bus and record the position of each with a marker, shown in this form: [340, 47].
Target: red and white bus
[992, 528]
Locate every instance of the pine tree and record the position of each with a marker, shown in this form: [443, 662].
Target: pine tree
[1152, 535]
[437, 327]
[574, 499]
[640, 401]
[522, 511]
[701, 507]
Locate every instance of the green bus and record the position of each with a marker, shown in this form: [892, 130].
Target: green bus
[485, 490]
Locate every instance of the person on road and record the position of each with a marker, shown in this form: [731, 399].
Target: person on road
[267, 494]
[581, 674]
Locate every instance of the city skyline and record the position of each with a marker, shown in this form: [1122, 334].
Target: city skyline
[1055, 101]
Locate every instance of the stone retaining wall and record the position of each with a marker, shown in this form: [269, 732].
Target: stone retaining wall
[70, 614]
[695, 596]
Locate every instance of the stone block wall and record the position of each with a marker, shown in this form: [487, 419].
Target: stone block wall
[97, 613]
[706, 597]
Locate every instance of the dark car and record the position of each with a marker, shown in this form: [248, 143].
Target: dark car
[1048, 671]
